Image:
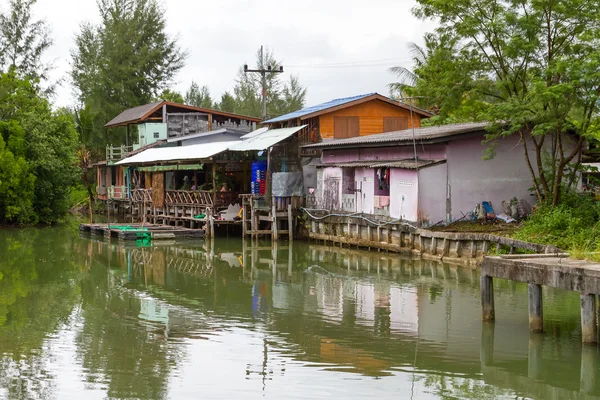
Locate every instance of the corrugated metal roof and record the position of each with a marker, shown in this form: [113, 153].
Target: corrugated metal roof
[255, 132]
[193, 152]
[406, 135]
[266, 139]
[323, 107]
[405, 164]
[318, 107]
[133, 114]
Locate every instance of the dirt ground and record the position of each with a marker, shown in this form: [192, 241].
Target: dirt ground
[495, 227]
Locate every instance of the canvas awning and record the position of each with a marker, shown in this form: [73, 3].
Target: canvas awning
[179, 153]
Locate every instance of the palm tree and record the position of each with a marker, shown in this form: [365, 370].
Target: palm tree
[406, 77]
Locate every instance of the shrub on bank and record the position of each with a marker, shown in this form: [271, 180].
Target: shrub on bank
[572, 226]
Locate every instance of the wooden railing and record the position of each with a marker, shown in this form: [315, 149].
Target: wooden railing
[185, 197]
[116, 153]
[141, 195]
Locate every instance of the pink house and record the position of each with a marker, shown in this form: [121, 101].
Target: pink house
[428, 175]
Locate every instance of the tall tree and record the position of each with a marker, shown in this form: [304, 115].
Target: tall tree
[227, 103]
[125, 61]
[540, 62]
[280, 97]
[23, 41]
[170, 95]
[199, 96]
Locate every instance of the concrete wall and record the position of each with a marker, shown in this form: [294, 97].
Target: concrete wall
[403, 194]
[332, 188]
[473, 179]
[432, 196]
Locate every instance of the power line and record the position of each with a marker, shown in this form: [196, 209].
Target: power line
[353, 63]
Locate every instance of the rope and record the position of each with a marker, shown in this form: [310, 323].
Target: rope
[354, 215]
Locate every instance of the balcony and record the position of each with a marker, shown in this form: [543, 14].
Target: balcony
[117, 153]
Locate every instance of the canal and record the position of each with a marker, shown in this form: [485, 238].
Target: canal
[84, 318]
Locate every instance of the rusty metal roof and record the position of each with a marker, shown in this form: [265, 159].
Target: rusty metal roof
[140, 113]
[404, 164]
[404, 136]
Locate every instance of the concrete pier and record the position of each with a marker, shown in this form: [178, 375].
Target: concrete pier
[544, 270]
[536, 314]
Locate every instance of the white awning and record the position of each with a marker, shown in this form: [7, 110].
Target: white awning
[261, 141]
[193, 152]
[266, 139]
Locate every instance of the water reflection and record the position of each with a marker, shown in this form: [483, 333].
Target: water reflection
[180, 320]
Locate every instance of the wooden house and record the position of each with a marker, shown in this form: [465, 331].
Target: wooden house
[348, 117]
[162, 124]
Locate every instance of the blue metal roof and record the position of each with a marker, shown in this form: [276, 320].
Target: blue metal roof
[317, 108]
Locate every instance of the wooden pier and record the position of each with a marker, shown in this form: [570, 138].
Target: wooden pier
[140, 231]
[544, 270]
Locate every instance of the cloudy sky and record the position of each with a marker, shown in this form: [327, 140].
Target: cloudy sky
[337, 47]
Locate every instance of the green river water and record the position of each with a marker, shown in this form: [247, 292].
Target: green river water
[82, 318]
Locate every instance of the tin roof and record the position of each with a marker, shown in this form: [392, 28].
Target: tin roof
[323, 108]
[265, 139]
[404, 164]
[179, 153]
[406, 135]
[140, 113]
[203, 151]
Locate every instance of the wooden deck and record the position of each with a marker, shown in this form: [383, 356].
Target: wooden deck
[141, 231]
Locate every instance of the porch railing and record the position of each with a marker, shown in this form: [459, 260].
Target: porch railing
[184, 197]
[117, 192]
[116, 153]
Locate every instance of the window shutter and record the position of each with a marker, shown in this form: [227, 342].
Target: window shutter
[392, 124]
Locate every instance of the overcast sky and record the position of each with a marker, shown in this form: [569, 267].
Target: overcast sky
[337, 47]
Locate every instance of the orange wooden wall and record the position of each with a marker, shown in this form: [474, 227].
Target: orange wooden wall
[371, 116]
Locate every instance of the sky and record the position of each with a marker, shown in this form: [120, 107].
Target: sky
[337, 48]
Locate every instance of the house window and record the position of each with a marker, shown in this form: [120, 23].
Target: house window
[392, 124]
[346, 127]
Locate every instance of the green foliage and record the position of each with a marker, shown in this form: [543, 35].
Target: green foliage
[170, 95]
[281, 98]
[227, 103]
[23, 41]
[530, 67]
[199, 96]
[125, 61]
[37, 155]
[574, 225]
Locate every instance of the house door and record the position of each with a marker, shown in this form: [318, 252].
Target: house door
[368, 195]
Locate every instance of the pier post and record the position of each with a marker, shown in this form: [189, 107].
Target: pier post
[275, 234]
[588, 318]
[487, 298]
[291, 223]
[244, 219]
[433, 248]
[536, 312]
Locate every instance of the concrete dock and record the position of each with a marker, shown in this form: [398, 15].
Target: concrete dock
[140, 231]
[539, 270]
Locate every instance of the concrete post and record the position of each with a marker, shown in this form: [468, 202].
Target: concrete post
[536, 312]
[433, 249]
[588, 318]
[487, 298]
[534, 361]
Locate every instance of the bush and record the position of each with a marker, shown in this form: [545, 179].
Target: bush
[574, 225]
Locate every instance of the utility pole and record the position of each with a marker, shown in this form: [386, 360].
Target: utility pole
[263, 73]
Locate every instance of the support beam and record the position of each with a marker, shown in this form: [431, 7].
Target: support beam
[290, 223]
[589, 331]
[536, 312]
[487, 298]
